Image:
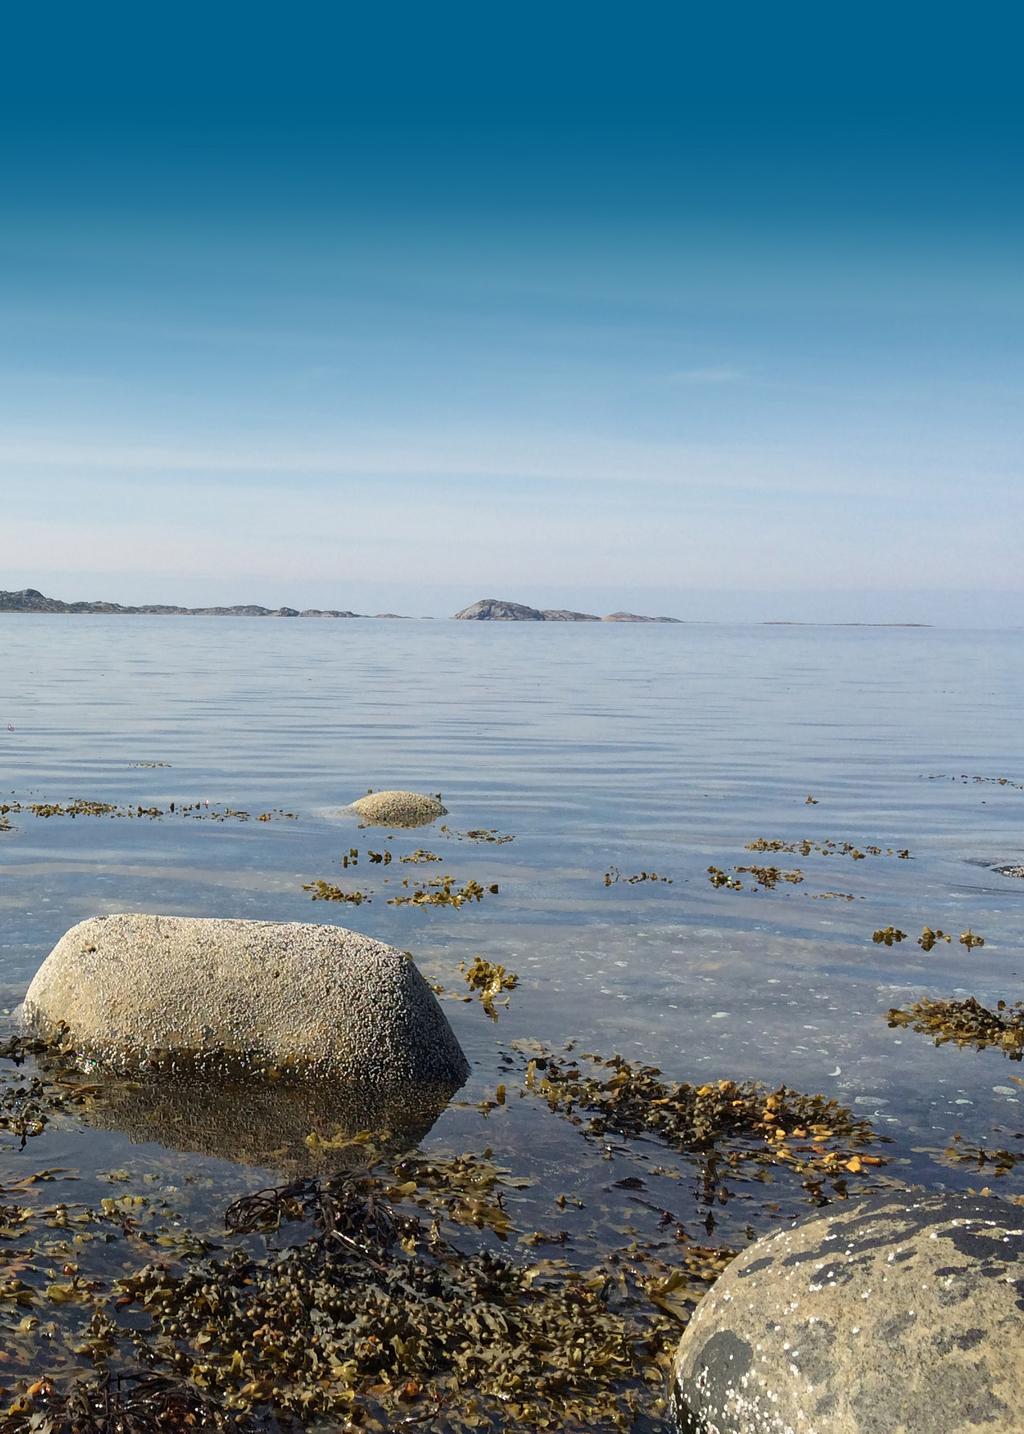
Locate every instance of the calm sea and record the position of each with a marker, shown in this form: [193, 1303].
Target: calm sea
[600, 750]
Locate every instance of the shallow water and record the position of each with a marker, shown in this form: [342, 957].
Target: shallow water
[599, 748]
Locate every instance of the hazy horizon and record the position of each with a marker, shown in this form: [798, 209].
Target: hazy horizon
[936, 608]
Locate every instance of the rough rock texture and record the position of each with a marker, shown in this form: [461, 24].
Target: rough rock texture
[902, 1314]
[140, 989]
[399, 809]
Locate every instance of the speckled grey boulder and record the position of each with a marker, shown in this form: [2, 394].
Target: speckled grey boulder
[137, 989]
[399, 809]
[901, 1314]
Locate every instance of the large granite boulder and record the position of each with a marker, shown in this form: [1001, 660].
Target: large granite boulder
[138, 992]
[900, 1314]
[399, 809]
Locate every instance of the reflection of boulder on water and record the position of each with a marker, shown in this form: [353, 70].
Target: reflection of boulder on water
[295, 1127]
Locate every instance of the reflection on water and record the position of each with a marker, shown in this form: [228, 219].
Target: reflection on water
[291, 1129]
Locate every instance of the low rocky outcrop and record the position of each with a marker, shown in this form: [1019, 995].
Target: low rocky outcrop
[636, 617]
[497, 610]
[900, 1312]
[137, 992]
[31, 600]
[399, 809]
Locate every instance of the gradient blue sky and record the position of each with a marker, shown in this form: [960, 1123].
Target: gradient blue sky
[719, 315]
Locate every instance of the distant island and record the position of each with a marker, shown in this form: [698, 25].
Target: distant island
[496, 610]
[486, 610]
[31, 600]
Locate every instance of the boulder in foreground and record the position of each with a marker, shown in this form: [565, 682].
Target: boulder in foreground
[901, 1312]
[399, 809]
[140, 991]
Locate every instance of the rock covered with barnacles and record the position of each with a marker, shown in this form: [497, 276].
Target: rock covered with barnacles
[900, 1312]
[137, 991]
[399, 809]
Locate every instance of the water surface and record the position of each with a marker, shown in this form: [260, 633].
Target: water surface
[600, 749]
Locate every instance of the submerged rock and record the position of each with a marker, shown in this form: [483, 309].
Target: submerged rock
[900, 1312]
[399, 809]
[138, 992]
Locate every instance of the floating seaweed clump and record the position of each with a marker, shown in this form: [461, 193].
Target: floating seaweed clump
[737, 1121]
[967, 1023]
[767, 877]
[28, 1102]
[826, 848]
[490, 980]
[1001, 1161]
[420, 855]
[718, 878]
[80, 807]
[888, 936]
[993, 781]
[379, 1318]
[770, 876]
[443, 892]
[479, 834]
[325, 891]
[928, 938]
[613, 874]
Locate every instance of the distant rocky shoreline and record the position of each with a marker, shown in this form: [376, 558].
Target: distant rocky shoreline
[487, 610]
[30, 600]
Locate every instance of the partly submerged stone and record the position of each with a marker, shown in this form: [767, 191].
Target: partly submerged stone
[901, 1312]
[399, 809]
[138, 991]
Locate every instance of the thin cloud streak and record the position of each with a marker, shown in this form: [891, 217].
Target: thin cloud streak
[555, 459]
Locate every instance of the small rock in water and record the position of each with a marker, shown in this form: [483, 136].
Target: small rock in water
[399, 809]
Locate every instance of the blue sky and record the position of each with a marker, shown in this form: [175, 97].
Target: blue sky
[608, 308]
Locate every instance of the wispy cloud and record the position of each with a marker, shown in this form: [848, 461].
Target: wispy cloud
[436, 457]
